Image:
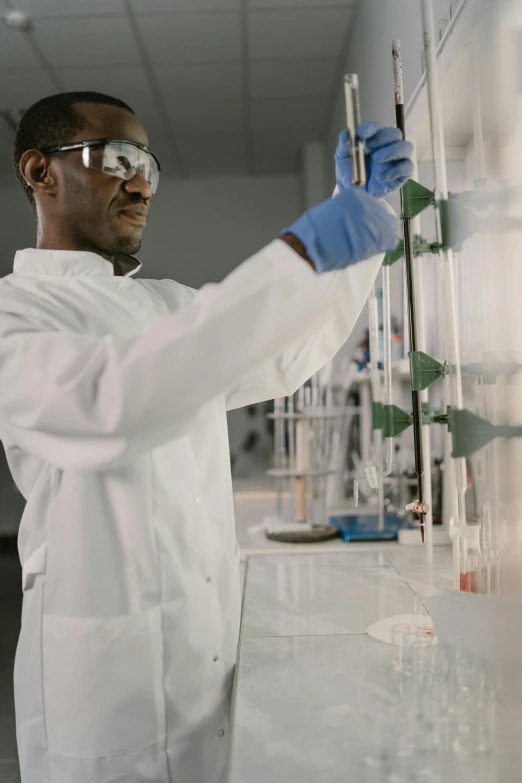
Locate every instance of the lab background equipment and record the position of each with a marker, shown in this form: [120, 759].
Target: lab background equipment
[446, 708]
[464, 365]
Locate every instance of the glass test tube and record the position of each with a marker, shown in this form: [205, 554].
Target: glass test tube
[403, 636]
[353, 120]
[421, 616]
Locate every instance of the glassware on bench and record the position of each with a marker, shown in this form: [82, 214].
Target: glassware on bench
[421, 616]
[403, 637]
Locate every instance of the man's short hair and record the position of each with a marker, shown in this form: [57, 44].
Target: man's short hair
[51, 122]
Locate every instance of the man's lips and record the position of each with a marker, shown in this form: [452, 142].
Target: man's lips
[137, 218]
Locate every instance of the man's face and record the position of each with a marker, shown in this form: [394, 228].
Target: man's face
[90, 205]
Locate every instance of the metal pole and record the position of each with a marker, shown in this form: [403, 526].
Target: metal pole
[419, 505]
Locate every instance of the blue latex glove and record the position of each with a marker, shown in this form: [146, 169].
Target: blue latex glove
[346, 229]
[387, 156]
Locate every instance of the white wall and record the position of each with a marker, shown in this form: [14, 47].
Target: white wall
[375, 25]
[200, 230]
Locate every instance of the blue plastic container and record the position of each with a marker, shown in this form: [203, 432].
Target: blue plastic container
[365, 527]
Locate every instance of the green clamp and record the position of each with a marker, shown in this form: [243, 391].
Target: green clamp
[424, 370]
[471, 433]
[392, 256]
[415, 199]
[432, 415]
[377, 415]
[395, 421]
[420, 246]
[457, 222]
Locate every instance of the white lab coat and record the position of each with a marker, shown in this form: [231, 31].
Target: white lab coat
[113, 399]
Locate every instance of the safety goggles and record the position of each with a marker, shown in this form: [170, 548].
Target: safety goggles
[116, 157]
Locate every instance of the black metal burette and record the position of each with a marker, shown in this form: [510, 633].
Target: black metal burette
[419, 505]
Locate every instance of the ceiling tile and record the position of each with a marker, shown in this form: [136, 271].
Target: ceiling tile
[281, 113]
[128, 83]
[279, 153]
[199, 82]
[291, 78]
[149, 6]
[40, 8]
[308, 33]
[15, 51]
[192, 38]
[276, 4]
[208, 117]
[68, 42]
[21, 90]
[212, 154]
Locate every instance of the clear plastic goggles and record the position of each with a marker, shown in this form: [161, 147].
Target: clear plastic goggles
[117, 157]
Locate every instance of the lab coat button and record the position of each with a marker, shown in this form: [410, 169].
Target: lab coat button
[198, 501]
[216, 658]
[209, 579]
[221, 733]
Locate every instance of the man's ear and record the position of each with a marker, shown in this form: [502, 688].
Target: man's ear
[37, 171]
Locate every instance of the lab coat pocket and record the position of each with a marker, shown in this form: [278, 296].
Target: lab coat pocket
[102, 683]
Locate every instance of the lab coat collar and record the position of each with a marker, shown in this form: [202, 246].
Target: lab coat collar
[71, 263]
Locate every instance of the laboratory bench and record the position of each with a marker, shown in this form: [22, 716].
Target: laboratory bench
[307, 669]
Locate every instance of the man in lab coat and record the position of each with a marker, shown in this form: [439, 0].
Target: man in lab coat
[113, 399]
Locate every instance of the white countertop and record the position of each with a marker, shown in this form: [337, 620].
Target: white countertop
[309, 676]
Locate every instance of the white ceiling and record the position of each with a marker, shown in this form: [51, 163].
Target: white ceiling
[221, 86]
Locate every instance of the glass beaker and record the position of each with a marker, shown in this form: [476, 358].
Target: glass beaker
[403, 636]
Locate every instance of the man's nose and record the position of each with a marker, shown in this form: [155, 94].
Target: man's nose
[138, 184]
